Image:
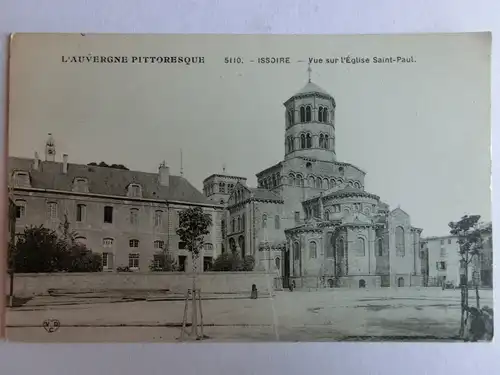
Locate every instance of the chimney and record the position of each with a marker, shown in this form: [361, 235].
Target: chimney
[65, 163]
[36, 163]
[164, 174]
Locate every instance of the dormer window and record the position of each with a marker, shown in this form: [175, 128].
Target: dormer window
[134, 191]
[21, 179]
[80, 185]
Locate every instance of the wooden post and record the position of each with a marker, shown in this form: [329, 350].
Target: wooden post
[184, 318]
[201, 315]
[194, 327]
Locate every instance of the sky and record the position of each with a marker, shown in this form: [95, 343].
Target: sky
[421, 130]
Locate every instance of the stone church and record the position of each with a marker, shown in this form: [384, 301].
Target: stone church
[310, 220]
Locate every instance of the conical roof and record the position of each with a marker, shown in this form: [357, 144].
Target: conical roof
[312, 88]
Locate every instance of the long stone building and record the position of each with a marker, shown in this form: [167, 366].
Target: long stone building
[128, 216]
[310, 218]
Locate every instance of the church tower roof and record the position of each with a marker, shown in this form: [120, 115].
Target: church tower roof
[312, 88]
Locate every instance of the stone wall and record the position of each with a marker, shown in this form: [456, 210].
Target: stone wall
[175, 282]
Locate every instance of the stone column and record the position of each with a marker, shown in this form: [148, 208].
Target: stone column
[372, 250]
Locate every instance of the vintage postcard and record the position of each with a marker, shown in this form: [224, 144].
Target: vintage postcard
[222, 188]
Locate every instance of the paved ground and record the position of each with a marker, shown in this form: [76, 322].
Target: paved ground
[339, 314]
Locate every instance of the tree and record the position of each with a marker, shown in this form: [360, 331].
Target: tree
[194, 225]
[469, 232]
[233, 263]
[163, 262]
[39, 249]
[105, 165]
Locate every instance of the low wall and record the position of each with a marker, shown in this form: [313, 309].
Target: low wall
[30, 284]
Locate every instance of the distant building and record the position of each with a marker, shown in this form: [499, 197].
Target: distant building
[444, 258]
[310, 218]
[128, 216]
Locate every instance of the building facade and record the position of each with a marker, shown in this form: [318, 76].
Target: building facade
[129, 217]
[310, 218]
[444, 261]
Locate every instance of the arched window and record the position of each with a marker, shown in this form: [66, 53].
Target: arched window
[302, 141]
[290, 144]
[308, 141]
[312, 250]
[277, 263]
[325, 183]
[264, 221]
[233, 225]
[318, 183]
[311, 181]
[329, 246]
[380, 247]
[291, 178]
[325, 142]
[277, 222]
[400, 242]
[158, 217]
[325, 115]
[308, 113]
[302, 114]
[327, 215]
[321, 138]
[360, 247]
[298, 180]
[320, 114]
[275, 183]
[243, 222]
[341, 247]
[296, 251]
[239, 224]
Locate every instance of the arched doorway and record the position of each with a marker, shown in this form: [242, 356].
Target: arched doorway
[330, 283]
[401, 282]
[362, 283]
[241, 244]
[232, 245]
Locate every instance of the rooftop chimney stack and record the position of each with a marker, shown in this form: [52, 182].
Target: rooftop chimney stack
[36, 162]
[65, 163]
[164, 174]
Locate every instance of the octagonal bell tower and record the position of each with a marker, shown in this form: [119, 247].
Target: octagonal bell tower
[310, 124]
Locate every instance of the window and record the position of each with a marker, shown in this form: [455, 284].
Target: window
[159, 244]
[326, 142]
[400, 242]
[449, 241]
[135, 190]
[277, 222]
[442, 242]
[107, 242]
[308, 141]
[157, 261]
[296, 251]
[104, 260]
[380, 247]
[297, 217]
[321, 139]
[441, 266]
[208, 246]
[327, 215]
[238, 226]
[298, 180]
[318, 183]
[133, 261]
[134, 216]
[233, 225]
[20, 209]
[302, 141]
[264, 221]
[302, 114]
[80, 185]
[312, 250]
[308, 113]
[181, 245]
[52, 210]
[222, 187]
[80, 212]
[158, 217]
[360, 247]
[108, 214]
[290, 117]
[182, 263]
[325, 115]
[277, 263]
[320, 114]
[21, 179]
[290, 144]
[133, 243]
